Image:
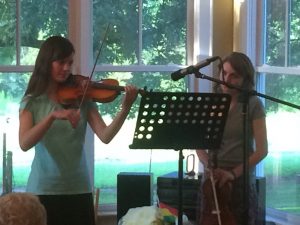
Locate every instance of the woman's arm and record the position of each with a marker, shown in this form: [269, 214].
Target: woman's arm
[261, 145]
[107, 132]
[30, 134]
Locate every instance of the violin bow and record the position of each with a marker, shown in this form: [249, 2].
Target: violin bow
[95, 63]
[212, 165]
[215, 198]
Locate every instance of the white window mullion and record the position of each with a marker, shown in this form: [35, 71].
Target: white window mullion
[251, 44]
[80, 33]
[287, 32]
[140, 32]
[18, 32]
[200, 46]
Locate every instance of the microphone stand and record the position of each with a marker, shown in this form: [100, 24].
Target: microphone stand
[245, 94]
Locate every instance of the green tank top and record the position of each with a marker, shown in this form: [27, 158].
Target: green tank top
[59, 165]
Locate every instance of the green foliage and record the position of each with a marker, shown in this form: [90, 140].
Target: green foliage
[12, 87]
[283, 194]
[37, 21]
[20, 176]
[7, 23]
[282, 49]
[287, 164]
[284, 87]
[161, 20]
[13, 84]
[41, 19]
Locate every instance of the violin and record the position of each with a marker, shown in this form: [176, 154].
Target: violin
[79, 87]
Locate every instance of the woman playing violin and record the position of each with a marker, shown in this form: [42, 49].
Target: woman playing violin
[59, 174]
[238, 70]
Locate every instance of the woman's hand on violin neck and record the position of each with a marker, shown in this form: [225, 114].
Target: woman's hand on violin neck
[131, 93]
[223, 176]
[73, 115]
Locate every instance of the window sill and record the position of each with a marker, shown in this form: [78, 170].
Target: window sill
[282, 218]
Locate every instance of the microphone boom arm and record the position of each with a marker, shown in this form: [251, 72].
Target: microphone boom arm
[249, 92]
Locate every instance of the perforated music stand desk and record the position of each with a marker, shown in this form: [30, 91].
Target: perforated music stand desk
[178, 121]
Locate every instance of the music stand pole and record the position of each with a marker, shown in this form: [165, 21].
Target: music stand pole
[245, 114]
[180, 184]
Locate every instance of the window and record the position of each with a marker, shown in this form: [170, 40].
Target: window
[279, 78]
[140, 48]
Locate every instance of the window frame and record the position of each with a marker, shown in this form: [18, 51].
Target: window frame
[257, 11]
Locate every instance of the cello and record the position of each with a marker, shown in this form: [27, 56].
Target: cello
[216, 202]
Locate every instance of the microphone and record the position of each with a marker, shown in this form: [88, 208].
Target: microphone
[192, 69]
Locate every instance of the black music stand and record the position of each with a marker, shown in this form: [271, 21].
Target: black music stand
[178, 121]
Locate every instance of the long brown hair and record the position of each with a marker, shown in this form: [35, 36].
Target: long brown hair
[54, 48]
[243, 66]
